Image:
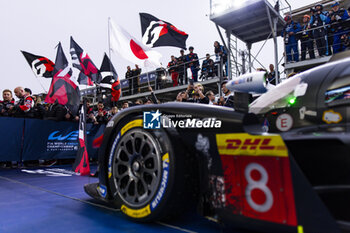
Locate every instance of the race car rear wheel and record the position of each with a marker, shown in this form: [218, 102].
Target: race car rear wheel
[147, 173]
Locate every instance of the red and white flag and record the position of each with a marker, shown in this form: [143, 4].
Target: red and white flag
[130, 49]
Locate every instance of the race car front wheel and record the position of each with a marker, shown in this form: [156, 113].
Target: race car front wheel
[147, 173]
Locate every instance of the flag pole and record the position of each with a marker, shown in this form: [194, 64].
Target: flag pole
[36, 77]
[109, 40]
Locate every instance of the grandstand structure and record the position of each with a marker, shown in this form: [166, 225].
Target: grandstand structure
[263, 18]
[247, 21]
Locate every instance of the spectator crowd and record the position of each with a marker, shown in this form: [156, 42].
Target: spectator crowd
[32, 106]
[328, 30]
[183, 68]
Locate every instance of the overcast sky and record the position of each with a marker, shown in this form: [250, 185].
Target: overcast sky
[37, 26]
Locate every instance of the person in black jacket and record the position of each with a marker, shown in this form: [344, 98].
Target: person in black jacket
[56, 112]
[128, 76]
[7, 103]
[193, 63]
[181, 62]
[38, 109]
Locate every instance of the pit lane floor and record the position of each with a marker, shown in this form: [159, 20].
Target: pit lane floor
[53, 200]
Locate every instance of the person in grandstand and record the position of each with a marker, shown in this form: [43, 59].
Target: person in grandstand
[336, 18]
[128, 76]
[136, 79]
[211, 97]
[181, 60]
[318, 21]
[38, 109]
[125, 105]
[101, 114]
[112, 112]
[181, 96]
[289, 35]
[221, 55]
[227, 99]
[306, 39]
[173, 70]
[195, 94]
[193, 64]
[56, 112]
[7, 103]
[207, 68]
[23, 108]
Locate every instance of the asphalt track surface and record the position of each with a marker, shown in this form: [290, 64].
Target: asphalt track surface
[53, 200]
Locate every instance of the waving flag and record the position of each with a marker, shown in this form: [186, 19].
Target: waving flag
[41, 66]
[63, 89]
[110, 78]
[81, 60]
[81, 164]
[130, 49]
[156, 33]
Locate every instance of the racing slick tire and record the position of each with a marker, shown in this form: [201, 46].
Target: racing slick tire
[147, 172]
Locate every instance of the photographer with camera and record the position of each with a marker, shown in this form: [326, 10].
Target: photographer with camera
[336, 17]
[289, 34]
[195, 94]
[318, 21]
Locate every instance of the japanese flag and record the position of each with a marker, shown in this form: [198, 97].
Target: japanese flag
[130, 49]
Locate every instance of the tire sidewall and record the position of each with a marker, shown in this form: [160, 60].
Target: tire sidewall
[152, 209]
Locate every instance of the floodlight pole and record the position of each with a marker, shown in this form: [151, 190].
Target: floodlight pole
[243, 62]
[273, 26]
[249, 47]
[229, 70]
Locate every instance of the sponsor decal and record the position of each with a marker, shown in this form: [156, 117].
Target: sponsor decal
[257, 178]
[243, 80]
[110, 124]
[304, 112]
[61, 141]
[251, 145]
[265, 126]
[300, 89]
[130, 125]
[163, 183]
[102, 190]
[331, 117]
[284, 122]
[139, 213]
[71, 136]
[111, 156]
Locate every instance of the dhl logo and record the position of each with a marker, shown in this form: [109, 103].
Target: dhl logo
[251, 145]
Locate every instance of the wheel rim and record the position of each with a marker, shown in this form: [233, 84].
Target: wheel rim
[137, 167]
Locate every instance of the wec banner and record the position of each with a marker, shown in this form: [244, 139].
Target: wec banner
[45, 139]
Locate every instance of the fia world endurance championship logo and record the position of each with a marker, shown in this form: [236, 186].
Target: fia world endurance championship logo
[151, 120]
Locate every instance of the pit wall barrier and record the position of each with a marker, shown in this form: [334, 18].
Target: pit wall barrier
[23, 139]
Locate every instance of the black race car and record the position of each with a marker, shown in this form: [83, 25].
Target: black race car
[282, 167]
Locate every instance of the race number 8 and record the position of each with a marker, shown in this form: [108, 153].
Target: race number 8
[260, 185]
